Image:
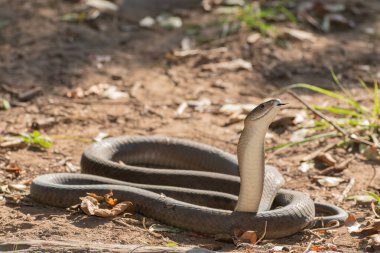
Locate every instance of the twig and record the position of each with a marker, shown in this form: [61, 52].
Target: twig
[336, 224]
[338, 128]
[265, 232]
[336, 168]
[313, 233]
[373, 176]
[318, 152]
[347, 190]
[373, 207]
[319, 114]
[120, 222]
[144, 223]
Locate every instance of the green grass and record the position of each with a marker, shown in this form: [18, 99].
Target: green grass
[361, 118]
[375, 205]
[4, 104]
[35, 139]
[259, 18]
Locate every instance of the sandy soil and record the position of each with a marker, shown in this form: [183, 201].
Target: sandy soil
[39, 50]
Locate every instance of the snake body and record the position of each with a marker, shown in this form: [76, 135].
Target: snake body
[189, 185]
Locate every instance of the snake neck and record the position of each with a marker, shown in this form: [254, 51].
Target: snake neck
[251, 167]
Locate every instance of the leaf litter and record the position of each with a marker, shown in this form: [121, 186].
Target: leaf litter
[91, 205]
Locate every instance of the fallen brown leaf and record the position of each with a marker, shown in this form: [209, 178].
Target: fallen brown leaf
[355, 228]
[98, 198]
[109, 200]
[14, 168]
[326, 159]
[91, 207]
[250, 236]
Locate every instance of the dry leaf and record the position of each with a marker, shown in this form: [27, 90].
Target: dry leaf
[352, 224]
[90, 206]
[98, 198]
[330, 181]
[109, 200]
[364, 200]
[14, 168]
[327, 247]
[251, 236]
[305, 166]
[326, 159]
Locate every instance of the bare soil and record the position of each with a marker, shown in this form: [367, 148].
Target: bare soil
[39, 50]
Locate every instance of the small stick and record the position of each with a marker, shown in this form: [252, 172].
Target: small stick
[338, 128]
[336, 225]
[143, 223]
[318, 152]
[373, 207]
[336, 168]
[319, 114]
[373, 176]
[347, 190]
[265, 232]
[313, 233]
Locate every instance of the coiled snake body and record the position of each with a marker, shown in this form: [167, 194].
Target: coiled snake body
[190, 185]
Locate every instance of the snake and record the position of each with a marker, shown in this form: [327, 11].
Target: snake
[193, 186]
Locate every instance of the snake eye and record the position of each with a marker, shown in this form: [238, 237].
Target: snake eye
[262, 106]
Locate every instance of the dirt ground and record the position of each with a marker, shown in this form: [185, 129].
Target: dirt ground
[37, 49]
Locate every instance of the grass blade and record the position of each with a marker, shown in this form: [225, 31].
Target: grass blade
[337, 110]
[331, 94]
[376, 197]
[365, 86]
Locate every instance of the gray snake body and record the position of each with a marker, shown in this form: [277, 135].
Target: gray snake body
[181, 183]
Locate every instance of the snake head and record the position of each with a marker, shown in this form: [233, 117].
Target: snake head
[266, 110]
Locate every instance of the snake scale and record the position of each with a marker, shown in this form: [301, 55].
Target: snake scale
[191, 185]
